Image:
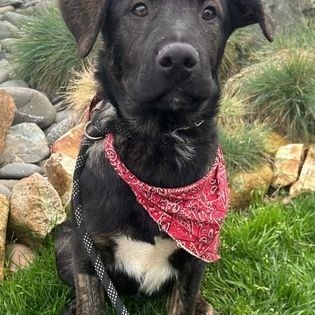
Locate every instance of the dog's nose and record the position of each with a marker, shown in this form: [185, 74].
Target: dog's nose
[178, 59]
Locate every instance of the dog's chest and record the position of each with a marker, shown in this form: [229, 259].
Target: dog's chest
[148, 264]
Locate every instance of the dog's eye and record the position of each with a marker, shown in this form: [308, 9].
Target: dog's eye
[209, 13]
[140, 9]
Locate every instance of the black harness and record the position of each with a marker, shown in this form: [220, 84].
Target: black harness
[95, 130]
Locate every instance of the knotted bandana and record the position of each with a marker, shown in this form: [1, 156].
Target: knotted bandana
[191, 215]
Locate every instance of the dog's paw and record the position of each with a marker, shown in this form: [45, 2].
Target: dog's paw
[204, 308]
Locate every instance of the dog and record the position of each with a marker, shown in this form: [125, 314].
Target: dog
[158, 69]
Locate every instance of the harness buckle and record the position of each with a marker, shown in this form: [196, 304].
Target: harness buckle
[86, 134]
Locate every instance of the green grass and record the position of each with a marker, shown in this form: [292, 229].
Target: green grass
[267, 268]
[268, 262]
[45, 54]
[35, 290]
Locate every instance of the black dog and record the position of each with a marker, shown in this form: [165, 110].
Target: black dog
[158, 68]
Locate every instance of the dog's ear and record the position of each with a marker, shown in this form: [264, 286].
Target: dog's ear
[84, 19]
[252, 12]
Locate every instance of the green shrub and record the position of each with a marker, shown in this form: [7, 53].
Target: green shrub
[281, 91]
[244, 147]
[45, 54]
[278, 86]
[238, 52]
[244, 143]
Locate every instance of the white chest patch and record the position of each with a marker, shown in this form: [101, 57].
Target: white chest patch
[147, 263]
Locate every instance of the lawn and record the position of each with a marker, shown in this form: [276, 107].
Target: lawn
[267, 267]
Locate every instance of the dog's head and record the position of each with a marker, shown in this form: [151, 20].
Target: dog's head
[160, 55]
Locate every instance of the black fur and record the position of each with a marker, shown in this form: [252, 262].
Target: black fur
[174, 138]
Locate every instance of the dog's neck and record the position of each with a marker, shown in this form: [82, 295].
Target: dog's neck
[165, 157]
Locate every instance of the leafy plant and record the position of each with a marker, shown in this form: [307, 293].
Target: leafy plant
[45, 54]
[244, 147]
[282, 92]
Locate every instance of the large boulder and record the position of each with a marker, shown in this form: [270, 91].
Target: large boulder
[6, 70]
[69, 144]
[306, 182]
[4, 211]
[287, 165]
[21, 256]
[6, 28]
[60, 169]
[32, 106]
[26, 143]
[35, 209]
[243, 184]
[7, 109]
[19, 170]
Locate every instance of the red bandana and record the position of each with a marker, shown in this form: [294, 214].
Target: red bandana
[190, 215]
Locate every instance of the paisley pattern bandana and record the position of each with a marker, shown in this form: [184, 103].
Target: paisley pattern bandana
[191, 215]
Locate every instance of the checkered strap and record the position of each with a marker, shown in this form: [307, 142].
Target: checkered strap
[94, 131]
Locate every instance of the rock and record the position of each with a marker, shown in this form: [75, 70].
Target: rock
[6, 70]
[6, 9]
[7, 45]
[60, 170]
[14, 83]
[69, 144]
[280, 10]
[19, 170]
[60, 129]
[3, 55]
[8, 183]
[8, 30]
[306, 182]
[4, 211]
[25, 142]
[35, 209]
[15, 18]
[288, 162]
[20, 255]
[7, 110]
[4, 191]
[242, 185]
[65, 114]
[14, 3]
[32, 106]
[274, 142]
[30, 3]
[26, 11]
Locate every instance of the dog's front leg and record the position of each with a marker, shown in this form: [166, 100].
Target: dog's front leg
[88, 289]
[89, 295]
[184, 296]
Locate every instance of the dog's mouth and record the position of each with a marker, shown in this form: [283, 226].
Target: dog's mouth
[176, 101]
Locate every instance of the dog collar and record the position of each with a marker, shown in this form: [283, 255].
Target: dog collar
[191, 215]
